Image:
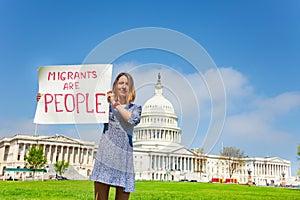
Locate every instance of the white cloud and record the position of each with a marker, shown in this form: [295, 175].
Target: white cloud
[281, 104]
[236, 84]
[260, 122]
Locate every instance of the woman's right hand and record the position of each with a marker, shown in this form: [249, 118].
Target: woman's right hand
[38, 96]
[110, 97]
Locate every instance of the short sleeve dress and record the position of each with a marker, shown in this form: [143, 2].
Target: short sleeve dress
[114, 160]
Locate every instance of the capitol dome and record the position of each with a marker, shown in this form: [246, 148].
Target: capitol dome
[159, 123]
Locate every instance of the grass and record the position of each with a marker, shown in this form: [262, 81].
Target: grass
[145, 190]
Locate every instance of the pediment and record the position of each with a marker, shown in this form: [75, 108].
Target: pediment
[60, 138]
[277, 160]
[182, 151]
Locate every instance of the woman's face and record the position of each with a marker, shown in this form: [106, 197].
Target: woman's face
[123, 87]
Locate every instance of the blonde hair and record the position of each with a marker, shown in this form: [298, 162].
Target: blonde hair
[131, 93]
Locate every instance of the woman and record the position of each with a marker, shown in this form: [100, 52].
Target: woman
[114, 160]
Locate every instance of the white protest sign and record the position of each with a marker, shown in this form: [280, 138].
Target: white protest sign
[73, 94]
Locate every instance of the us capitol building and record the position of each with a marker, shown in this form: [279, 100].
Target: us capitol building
[158, 153]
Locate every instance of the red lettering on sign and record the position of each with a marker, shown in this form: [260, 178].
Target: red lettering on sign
[98, 102]
[77, 102]
[71, 86]
[57, 102]
[72, 100]
[47, 101]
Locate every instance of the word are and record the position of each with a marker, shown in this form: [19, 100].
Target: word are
[77, 103]
[71, 86]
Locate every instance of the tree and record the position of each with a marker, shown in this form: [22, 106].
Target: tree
[235, 159]
[199, 151]
[35, 159]
[61, 167]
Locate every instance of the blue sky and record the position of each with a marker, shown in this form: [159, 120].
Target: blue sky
[254, 44]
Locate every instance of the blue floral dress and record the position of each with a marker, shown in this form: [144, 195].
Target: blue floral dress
[114, 160]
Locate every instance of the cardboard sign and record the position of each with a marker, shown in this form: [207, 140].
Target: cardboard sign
[73, 94]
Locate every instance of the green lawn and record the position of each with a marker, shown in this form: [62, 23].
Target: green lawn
[144, 190]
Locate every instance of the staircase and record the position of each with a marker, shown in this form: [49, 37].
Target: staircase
[71, 173]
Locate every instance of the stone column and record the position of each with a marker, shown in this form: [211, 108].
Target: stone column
[260, 169]
[54, 153]
[76, 155]
[91, 156]
[88, 153]
[67, 154]
[280, 169]
[71, 152]
[164, 162]
[46, 152]
[22, 153]
[154, 162]
[80, 155]
[256, 169]
[50, 154]
[60, 155]
[151, 162]
[170, 162]
[175, 162]
[85, 156]
[161, 162]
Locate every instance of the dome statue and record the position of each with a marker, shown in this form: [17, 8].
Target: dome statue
[158, 103]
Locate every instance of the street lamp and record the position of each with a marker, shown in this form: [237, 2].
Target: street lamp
[249, 172]
[249, 177]
[283, 183]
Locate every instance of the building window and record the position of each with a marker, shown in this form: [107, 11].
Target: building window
[6, 150]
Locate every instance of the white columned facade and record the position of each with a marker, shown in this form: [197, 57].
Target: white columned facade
[55, 148]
